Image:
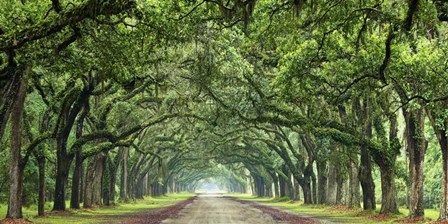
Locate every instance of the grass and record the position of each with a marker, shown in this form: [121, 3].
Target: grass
[102, 214]
[337, 214]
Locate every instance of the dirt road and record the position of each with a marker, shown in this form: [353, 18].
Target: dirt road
[211, 208]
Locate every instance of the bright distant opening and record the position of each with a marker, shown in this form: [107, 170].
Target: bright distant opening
[210, 187]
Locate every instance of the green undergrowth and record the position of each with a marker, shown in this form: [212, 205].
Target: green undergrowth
[109, 214]
[335, 214]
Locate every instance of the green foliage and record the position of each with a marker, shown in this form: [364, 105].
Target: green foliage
[224, 90]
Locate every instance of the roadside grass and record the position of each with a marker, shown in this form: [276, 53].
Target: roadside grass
[336, 214]
[105, 214]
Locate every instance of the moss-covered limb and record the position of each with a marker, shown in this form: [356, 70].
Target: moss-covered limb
[350, 140]
[227, 140]
[104, 147]
[89, 9]
[32, 145]
[121, 98]
[149, 99]
[282, 152]
[331, 128]
[116, 138]
[147, 124]
[67, 101]
[245, 155]
[93, 136]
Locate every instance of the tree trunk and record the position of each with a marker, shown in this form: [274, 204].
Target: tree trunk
[322, 182]
[306, 185]
[275, 182]
[62, 169]
[259, 185]
[339, 188]
[41, 193]
[288, 187]
[331, 183]
[354, 194]
[282, 186]
[416, 147]
[40, 158]
[16, 165]
[113, 180]
[314, 188]
[106, 181]
[268, 189]
[77, 173]
[78, 170]
[282, 183]
[443, 216]
[88, 191]
[441, 133]
[297, 190]
[366, 179]
[388, 192]
[98, 179]
[8, 96]
[124, 176]
[365, 175]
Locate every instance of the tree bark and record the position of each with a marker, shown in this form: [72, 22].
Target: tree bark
[76, 178]
[282, 186]
[78, 170]
[441, 134]
[16, 165]
[331, 183]
[386, 162]
[69, 112]
[41, 161]
[105, 190]
[443, 216]
[366, 179]
[339, 188]
[354, 194]
[306, 187]
[314, 188]
[322, 182]
[88, 191]
[388, 191]
[365, 175]
[98, 180]
[62, 169]
[124, 176]
[41, 193]
[275, 182]
[416, 147]
[7, 99]
[297, 190]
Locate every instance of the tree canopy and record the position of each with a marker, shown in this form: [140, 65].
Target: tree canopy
[338, 102]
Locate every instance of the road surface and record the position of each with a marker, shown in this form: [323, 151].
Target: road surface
[213, 208]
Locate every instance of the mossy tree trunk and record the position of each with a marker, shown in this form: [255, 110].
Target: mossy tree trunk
[17, 165]
[78, 169]
[124, 176]
[69, 111]
[416, 147]
[322, 173]
[440, 129]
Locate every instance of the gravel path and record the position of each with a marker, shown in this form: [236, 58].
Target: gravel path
[211, 208]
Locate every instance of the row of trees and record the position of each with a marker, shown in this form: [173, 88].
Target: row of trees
[317, 94]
